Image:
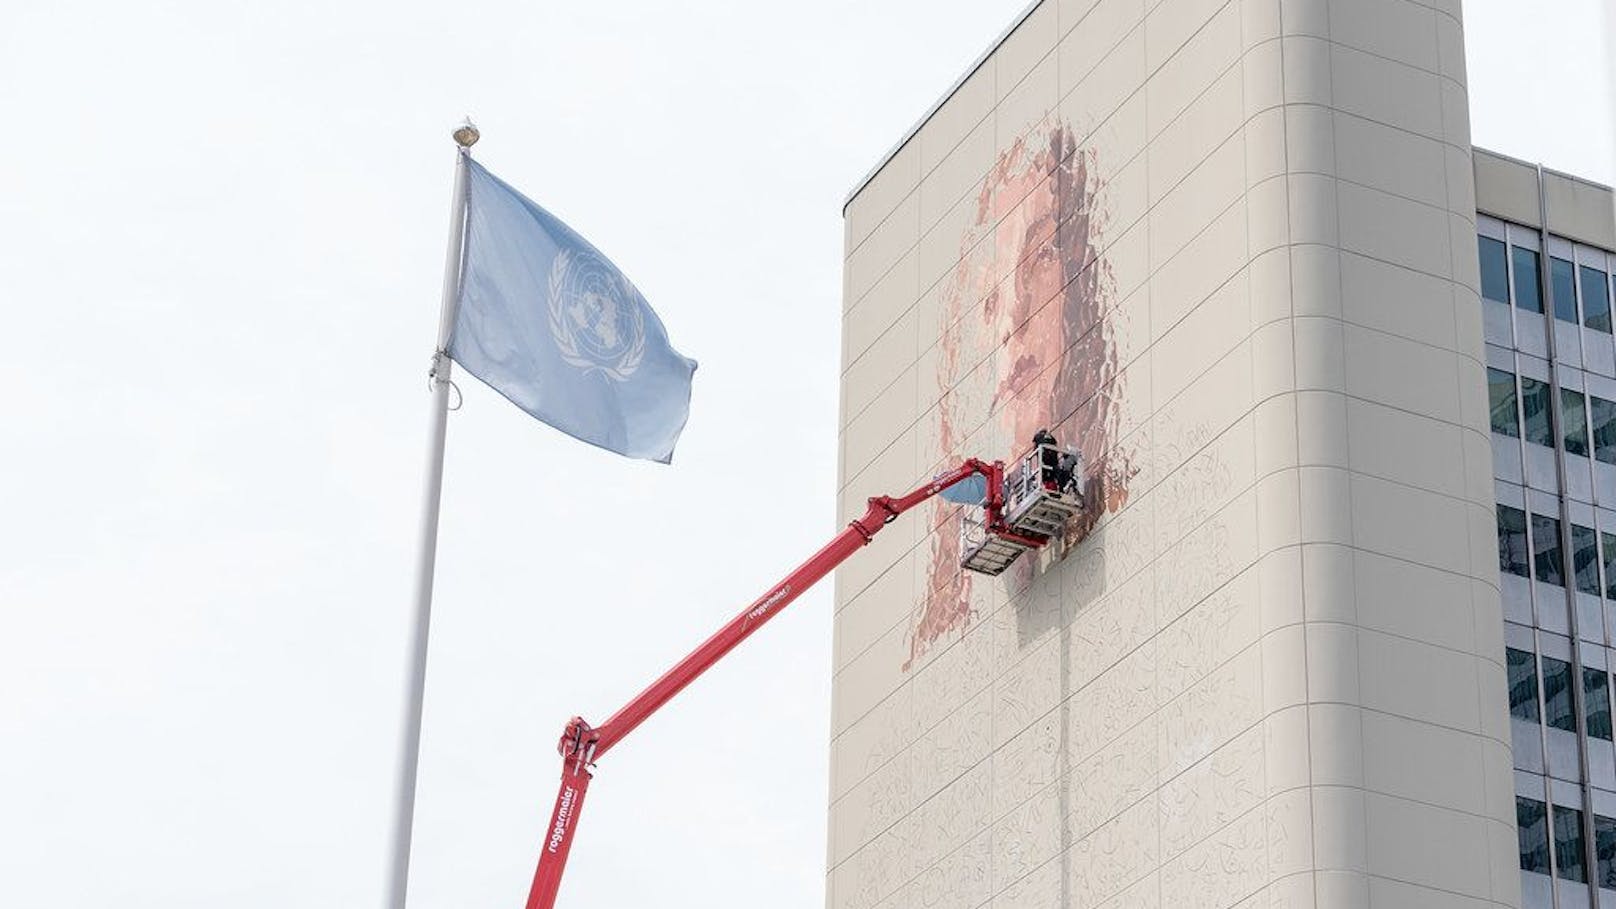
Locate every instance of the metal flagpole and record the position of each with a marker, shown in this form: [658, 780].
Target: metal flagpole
[410, 748]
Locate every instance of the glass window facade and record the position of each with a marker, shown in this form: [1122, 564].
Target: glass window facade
[1568, 847]
[1531, 822]
[1547, 565]
[1585, 558]
[1512, 548]
[1595, 298]
[1602, 414]
[1596, 695]
[1528, 292]
[1494, 269]
[1522, 684]
[1563, 284]
[1574, 411]
[1604, 849]
[1537, 411]
[1501, 403]
[1557, 709]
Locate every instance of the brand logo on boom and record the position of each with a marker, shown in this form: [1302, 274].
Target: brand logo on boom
[563, 818]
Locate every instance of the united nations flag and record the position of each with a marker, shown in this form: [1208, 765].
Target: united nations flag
[550, 323]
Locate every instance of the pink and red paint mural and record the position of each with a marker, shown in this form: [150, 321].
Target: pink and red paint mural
[1027, 343]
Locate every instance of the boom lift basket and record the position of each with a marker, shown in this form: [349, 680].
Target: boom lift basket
[1041, 494]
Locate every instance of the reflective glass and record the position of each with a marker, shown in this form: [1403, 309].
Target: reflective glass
[1531, 822]
[1563, 283]
[1603, 415]
[1546, 564]
[1494, 270]
[1512, 547]
[1568, 852]
[1576, 422]
[1557, 712]
[1501, 400]
[1522, 683]
[1536, 410]
[1596, 698]
[1528, 293]
[1604, 848]
[1609, 543]
[1595, 298]
[1585, 558]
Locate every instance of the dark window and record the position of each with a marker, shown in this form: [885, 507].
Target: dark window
[1609, 542]
[1595, 298]
[1563, 281]
[1494, 270]
[1596, 698]
[1568, 844]
[1604, 848]
[1512, 541]
[1531, 820]
[1557, 711]
[1603, 413]
[1576, 422]
[1535, 406]
[1546, 564]
[1528, 293]
[1522, 683]
[1585, 558]
[1501, 398]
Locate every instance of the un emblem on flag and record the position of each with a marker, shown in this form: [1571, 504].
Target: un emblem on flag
[596, 315]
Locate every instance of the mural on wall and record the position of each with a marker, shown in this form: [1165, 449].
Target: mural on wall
[1027, 343]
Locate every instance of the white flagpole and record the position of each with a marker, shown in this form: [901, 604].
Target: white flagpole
[410, 747]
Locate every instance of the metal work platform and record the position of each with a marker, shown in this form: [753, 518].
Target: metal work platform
[1041, 495]
[984, 552]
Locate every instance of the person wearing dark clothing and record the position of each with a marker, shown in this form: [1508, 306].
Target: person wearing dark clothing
[1049, 459]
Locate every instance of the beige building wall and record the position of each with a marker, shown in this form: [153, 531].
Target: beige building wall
[1228, 248]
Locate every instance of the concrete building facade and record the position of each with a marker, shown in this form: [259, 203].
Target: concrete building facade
[1231, 250]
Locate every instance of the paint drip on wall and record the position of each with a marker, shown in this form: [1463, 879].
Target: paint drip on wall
[1028, 342]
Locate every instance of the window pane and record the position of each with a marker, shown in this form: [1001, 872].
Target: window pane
[1522, 684]
[1532, 823]
[1604, 848]
[1609, 542]
[1501, 397]
[1512, 541]
[1535, 398]
[1585, 558]
[1595, 298]
[1494, 270]
[1568, 844]
[1546, 550]
[1576, 422]
[1596, 697]
[1563, 282]
[1603, 413]
[1528, 293]
[1557, 695]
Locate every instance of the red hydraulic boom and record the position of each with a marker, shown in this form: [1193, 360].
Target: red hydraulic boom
[582, 744]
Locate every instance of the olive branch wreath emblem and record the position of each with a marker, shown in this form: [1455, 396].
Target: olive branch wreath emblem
[565, 340]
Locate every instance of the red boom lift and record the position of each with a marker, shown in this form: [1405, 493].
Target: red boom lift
[1019, 512]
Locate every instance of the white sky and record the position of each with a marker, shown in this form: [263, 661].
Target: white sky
[221, 242]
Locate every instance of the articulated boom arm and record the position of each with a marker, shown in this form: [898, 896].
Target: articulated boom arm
[581, 744]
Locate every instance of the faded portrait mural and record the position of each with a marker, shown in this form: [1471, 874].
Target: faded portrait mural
[1027, 343]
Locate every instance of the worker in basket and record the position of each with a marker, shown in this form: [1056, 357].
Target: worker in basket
[1058, 470]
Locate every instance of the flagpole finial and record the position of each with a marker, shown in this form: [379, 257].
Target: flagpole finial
[466, 135]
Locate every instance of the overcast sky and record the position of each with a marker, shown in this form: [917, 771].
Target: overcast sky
[221, 242]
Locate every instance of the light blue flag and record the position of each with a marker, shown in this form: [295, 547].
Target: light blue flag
[551, 324]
